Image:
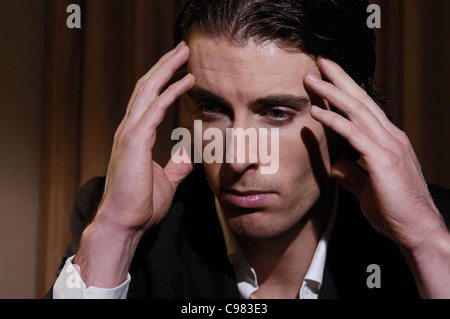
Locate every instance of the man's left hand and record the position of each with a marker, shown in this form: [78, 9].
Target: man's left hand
[393, 194]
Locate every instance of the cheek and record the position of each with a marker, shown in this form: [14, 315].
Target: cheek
[305, 151]
[294, 162]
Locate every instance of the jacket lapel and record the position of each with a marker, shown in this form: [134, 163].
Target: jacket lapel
[206, 271]
[354, 246]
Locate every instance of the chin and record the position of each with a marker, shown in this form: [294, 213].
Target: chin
[261, 225]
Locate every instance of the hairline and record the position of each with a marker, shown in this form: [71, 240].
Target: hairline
[242, 42]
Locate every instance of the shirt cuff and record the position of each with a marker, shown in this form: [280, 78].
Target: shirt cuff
[69, 285]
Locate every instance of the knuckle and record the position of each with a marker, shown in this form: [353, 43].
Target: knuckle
[128, 140]
[118, 133]
[145, 88]
[403, 138]
[163, 59]
[364, 96]
[155, 105]
[141, 90]
[394, 158]
[401, 144]
[354, 130]
[140, 83]
[172, 90]
[334, 122]
[391, 160]
[358, 107]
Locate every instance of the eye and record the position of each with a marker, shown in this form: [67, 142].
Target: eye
[209, 110]
[278, 115]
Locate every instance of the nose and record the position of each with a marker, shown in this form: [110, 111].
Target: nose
[241, 149]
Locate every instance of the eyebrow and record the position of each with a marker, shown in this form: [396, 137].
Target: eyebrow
[289, 100]
[296, 102]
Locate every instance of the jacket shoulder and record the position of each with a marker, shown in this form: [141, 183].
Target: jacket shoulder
[184, 256]
[86, 203]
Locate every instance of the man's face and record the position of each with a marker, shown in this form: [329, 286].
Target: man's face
[260, 86]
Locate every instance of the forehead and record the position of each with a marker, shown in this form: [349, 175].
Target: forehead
[247, 71]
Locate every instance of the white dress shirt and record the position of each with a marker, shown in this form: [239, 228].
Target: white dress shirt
[246, 278]
[69, 284]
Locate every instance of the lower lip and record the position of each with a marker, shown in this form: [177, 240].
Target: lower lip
[249, 201]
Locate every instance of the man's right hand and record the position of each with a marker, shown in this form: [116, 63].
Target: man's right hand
[138, 192]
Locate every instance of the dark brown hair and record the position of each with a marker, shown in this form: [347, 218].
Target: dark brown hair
[336, 29]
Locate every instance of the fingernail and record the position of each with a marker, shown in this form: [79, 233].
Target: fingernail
[323, 59]
[189, 76]
[316, 109]
[313, 77]
[179, 45]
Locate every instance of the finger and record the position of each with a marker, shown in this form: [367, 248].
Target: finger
[353, 133]
[178, 167]
[165, 71]
[354, 109]
[161, 61]
[149, 90]
[343, 81]
[141, 82]
[148, 74]
[164, 58]
[156, 111]
[348, 175]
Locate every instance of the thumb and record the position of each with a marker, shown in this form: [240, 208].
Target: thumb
[349, 175]
[178, 167]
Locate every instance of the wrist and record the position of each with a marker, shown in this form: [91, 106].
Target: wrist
[105, 254]
[422, 230]
[429, 262]
[108, 224]
[438, 242]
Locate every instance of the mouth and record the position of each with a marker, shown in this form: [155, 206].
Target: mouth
[251, 199]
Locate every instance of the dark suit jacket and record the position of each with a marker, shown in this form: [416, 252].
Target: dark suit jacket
[185, 255]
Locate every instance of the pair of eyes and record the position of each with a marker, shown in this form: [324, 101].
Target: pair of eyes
[278, 115]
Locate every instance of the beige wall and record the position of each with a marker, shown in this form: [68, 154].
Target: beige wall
[21, 105]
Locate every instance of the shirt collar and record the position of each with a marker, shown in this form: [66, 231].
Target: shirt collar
[246, 276]
[317, 266]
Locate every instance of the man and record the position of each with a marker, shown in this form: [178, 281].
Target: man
[224, 229]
